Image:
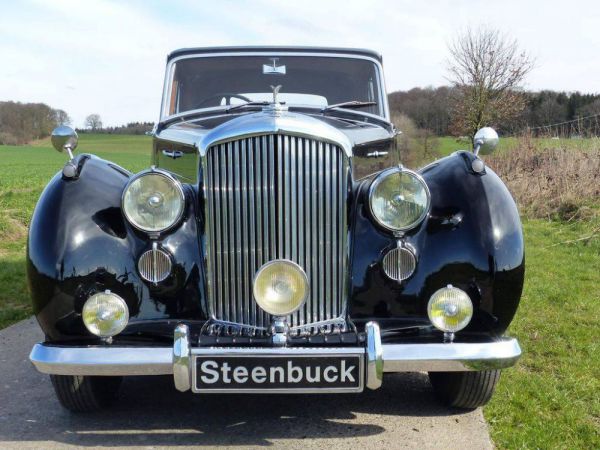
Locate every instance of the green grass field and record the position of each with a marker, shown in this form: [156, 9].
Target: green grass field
[550, 400]
[24, 171]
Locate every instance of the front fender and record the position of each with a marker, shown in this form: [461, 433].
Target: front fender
[472, 239]
[80, 243]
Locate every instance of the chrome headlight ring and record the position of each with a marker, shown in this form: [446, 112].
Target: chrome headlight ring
[416, 177]
[179, 192]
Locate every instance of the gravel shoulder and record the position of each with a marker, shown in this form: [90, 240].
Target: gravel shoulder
[152, 414]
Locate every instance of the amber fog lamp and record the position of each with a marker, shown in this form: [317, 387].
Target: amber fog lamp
[105, 314]
[450, 309]
[399, 199]
[153, 201]
[280, 287]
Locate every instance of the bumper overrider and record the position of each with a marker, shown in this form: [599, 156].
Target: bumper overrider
[276, 369]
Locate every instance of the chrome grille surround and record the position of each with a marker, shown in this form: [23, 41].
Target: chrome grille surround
[262, 203]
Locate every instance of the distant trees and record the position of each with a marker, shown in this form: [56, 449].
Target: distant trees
[428, 108]
[486, 69]
[93, 122]
[62, 118]
[129, 128]
[416, 145]
[23, 122]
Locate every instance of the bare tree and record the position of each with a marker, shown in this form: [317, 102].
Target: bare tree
[94, 122]
[487, 69]
[62, 118]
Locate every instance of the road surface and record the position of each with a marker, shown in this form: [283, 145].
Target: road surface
[152, 414]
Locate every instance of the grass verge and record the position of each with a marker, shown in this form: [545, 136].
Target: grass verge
[550, 399]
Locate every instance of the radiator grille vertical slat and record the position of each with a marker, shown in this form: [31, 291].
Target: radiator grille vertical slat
[313, 230]
[300, 229]
[276, 197]
[245, 248]
[336, 263]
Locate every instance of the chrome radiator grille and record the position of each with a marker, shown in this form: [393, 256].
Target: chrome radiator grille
[276, 197]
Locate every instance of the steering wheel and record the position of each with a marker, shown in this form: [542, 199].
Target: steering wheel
[227, 95]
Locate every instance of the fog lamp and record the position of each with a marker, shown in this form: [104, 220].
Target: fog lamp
[105, 314]
[280, 287]
[450, 309]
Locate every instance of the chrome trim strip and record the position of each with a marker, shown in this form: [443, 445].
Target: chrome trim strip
[105, 360]
[169, 72]
[454, 357]
[374, 356]
[181, 358]
[277, 351]
[112, 360]
[280, 352]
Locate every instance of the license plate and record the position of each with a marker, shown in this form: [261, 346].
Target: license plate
[278, 373]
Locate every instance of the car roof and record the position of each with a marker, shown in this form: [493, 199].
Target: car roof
[274, 49]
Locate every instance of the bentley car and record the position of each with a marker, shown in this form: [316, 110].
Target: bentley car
[276, 244]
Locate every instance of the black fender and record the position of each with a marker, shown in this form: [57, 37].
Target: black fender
[471, 239]
[80, 243]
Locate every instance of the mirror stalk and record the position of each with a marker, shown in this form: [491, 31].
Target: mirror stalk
[485, 141]
[65, 139]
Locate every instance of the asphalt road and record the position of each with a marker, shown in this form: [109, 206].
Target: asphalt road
[152, 414]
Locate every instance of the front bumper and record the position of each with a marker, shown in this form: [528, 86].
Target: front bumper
[177, 360]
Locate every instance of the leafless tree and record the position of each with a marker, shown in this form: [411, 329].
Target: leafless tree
[94, 122]
[62, 118]
[487, 69]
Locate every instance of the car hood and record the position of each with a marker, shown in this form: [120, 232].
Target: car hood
[346, 128]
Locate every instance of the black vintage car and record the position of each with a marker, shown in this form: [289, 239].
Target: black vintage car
[277, 244]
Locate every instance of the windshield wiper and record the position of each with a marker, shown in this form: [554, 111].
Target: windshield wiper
[243, 105]
[350, 105]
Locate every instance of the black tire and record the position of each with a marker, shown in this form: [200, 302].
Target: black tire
[468, 390]
[85, 393]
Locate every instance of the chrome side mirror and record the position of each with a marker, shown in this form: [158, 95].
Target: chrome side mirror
[485, 141]
[64, 138]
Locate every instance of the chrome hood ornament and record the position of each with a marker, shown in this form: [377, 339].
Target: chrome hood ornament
[275, 92]
[275, 108]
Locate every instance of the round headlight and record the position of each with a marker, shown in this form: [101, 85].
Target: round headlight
[280, 287]
[105, 314]
[399, 199]
[450, 309]
[153, 201]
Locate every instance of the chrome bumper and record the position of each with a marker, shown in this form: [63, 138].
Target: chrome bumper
[176, 360]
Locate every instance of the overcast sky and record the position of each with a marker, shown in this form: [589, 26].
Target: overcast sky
[108, 57]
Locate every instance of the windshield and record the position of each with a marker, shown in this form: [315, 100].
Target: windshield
[318, 81]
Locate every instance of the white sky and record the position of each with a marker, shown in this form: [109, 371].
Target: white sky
[107, 57]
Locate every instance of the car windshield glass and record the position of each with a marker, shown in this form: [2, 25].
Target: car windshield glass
[205, 82]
